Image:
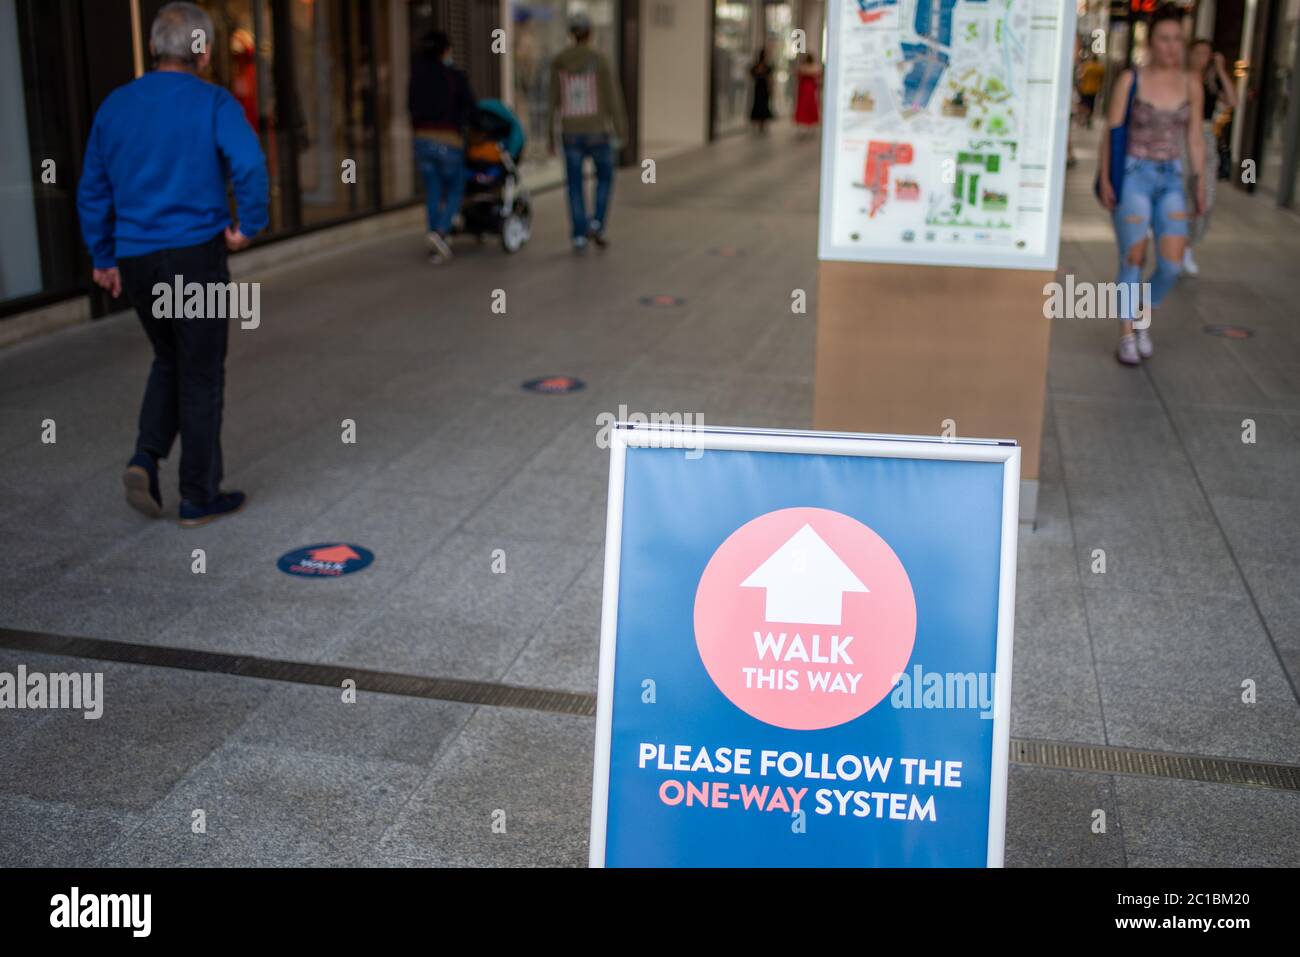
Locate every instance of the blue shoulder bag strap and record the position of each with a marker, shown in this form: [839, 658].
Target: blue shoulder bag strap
[1119, 146]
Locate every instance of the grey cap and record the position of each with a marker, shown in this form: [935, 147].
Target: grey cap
[579, 23]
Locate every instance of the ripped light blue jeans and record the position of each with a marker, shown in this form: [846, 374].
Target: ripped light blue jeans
[1153, 198]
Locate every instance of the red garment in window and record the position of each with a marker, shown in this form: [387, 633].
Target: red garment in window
[243, 84]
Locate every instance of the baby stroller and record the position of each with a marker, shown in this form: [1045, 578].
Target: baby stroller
[495, 201]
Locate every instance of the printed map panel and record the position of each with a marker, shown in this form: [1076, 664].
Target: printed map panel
[943, 131]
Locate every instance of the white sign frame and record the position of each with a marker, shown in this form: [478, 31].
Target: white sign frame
[704, 438]
[918, 253]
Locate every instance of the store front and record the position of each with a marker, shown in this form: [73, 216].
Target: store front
[20, 266]
[734, 47]
[1261, 42]
[1279, 107]
[44, 120]
[322, 82]
[778, 26]
[740, 29]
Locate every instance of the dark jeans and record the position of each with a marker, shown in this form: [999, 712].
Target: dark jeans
[188, 377]
[577, 147]
[443, 170]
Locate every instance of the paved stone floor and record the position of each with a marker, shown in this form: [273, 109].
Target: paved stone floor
[454, 461]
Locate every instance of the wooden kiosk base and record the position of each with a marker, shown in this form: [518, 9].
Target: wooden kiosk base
[902, 348]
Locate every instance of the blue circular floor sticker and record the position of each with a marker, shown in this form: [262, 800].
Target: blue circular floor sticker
[554, 384]
[327, 560]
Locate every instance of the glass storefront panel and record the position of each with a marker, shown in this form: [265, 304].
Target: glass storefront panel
[20, 263]
[242, 62]
[539, 31]
[1279, 94]
[779, 24]
[321, 82]
[41, 255]
[393, 69]
[733, 55]
[331, 60]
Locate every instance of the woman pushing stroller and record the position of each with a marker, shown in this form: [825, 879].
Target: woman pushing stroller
[466, 151]
[441, 103]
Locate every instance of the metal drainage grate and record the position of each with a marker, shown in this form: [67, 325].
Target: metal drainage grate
[247, 666]
[1100, 759]
[1104, 759]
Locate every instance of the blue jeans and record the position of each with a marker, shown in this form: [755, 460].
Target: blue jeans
[577, 147]
[1153, 198]
[443, 169]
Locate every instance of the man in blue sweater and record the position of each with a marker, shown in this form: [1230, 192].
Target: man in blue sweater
[154, 214]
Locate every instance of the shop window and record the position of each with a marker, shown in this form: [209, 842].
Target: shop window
[393, 71]
[779, 25]
[20, 263]
[243, 52]
[40, 151]
[332, 83]
[1279, 94]
[733, 55]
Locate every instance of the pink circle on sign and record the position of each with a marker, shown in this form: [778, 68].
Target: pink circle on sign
[803, 618]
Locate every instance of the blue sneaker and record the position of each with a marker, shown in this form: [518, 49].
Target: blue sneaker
[141, 481]
[225, 503]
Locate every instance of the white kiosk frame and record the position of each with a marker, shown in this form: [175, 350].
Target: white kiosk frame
[704, 438]
[917, 253]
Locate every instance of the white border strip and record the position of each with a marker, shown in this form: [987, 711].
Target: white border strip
[608, 639]
[1006, 639]
[624, 436]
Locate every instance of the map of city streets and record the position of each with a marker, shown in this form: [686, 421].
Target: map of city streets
[942, 135]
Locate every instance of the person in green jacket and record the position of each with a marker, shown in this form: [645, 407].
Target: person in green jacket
[586, 104]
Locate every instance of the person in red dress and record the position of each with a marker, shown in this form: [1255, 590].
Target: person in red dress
[807, 113]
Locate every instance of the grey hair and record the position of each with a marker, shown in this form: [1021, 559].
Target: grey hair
[172, 34]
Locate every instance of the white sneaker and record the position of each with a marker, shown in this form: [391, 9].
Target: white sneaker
[1127, 352]
[441, 248]
[1144, 343]
[1189, 263]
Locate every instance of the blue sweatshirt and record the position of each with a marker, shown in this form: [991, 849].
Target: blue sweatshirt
[156, 166]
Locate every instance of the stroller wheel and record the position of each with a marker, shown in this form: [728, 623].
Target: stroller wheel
[514, 233]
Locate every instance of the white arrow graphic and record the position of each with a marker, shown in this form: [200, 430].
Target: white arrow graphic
[805, 581]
